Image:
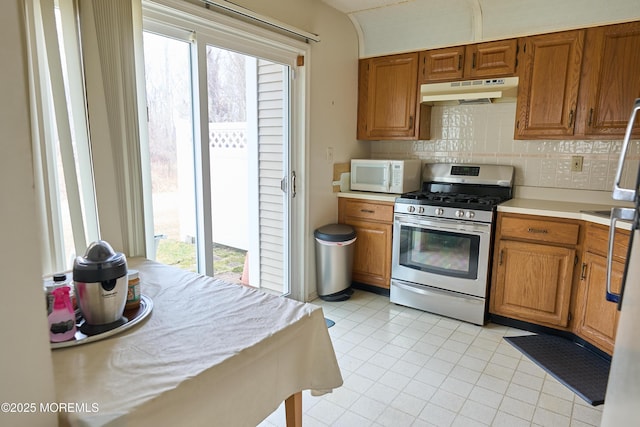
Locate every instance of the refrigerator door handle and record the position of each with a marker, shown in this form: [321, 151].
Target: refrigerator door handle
[616, 214]
[620, 193]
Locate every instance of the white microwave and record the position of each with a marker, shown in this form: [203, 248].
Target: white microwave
[386, 176]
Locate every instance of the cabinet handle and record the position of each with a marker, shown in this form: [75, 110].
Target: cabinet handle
[571, 118]
[590, 116]
[501, 256]
[473, 61]
[410, 122]
[583, 273]
[537, 230]
[459, 62]
[367, 211]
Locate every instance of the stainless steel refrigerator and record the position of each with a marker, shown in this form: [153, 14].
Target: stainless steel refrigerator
[622, 400]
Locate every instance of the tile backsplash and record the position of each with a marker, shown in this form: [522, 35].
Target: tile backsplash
[484, 134]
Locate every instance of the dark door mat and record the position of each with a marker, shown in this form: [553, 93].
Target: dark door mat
[575, 366]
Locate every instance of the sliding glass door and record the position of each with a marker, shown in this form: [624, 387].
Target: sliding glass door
[219, 150]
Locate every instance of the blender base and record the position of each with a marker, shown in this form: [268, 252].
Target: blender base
[88, 329]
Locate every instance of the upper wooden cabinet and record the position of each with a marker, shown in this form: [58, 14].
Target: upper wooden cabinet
[610, 80]
[387, 97]
[492, 59]
[548, 87]
[439, 65]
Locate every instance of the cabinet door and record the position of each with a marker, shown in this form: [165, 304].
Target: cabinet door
[533, 282]
[493, 59]
[440, 65]
[388, 110]
[597, 318]
[372, 253]
[611, 79]
[548, 87]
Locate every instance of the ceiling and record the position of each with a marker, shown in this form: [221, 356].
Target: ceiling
[350, 6]
[394, 26]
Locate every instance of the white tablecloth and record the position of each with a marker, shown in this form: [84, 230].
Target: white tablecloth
[211, 353]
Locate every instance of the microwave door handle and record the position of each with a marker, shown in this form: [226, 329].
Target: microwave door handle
[616, 214]
[387, 177]
[620, 193]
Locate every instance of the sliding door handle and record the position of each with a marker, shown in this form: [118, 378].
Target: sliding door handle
[293, 184]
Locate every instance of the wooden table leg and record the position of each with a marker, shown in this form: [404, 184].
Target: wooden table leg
[293, 410]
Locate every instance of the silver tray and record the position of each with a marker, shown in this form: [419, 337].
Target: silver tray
[134, 316]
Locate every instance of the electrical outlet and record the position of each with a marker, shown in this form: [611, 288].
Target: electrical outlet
[576, 163]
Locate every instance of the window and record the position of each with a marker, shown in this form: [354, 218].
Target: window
[64, 177]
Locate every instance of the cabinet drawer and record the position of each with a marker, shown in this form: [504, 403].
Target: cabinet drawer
[543, 231]
[597, 241]
[370, 211]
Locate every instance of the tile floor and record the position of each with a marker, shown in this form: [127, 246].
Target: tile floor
[405, 367]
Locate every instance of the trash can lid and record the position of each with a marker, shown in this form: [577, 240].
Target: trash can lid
[335, 233]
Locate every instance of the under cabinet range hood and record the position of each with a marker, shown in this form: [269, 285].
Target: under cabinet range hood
[470, 91]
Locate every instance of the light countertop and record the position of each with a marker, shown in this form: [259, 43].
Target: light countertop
[561, 209]
[367, 195]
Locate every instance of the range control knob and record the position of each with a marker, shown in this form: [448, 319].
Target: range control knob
[411, 208]
[470, 214]
[459, 214]
[439, 211]
[421, 210]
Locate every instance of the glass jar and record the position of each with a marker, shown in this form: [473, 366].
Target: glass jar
[133, 293]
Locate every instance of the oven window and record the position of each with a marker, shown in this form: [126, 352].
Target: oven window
[440, 252]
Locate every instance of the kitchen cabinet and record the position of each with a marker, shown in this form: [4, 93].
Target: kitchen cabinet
[492, 59]
[388, 108]
[610, 81]
[533, 267]
[597, 318]
[549, 79]
[373, 223]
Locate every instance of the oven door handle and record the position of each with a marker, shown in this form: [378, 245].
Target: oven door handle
[442, 226]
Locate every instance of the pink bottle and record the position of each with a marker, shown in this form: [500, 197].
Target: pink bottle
[62, 320]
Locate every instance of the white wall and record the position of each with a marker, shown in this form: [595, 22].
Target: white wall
[25, 358]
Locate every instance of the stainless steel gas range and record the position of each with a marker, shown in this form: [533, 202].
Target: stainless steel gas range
[442, 239]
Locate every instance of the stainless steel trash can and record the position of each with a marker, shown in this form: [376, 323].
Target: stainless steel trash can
[334, 261]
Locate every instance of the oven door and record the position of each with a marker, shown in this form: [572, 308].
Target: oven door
[447, 254]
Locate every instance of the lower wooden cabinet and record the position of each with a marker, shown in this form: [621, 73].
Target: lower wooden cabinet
[373, 222]
[537, 278]
[597, 318]
[533, 282]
